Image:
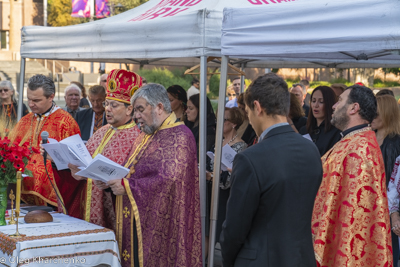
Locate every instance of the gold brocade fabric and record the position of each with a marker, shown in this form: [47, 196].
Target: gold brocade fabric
[37, 190]
[350, 222]
[158, 221]
[115, 145]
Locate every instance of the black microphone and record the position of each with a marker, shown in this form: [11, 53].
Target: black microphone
[44, 136]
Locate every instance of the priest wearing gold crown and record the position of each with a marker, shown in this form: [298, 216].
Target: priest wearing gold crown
[158, 203]
[113, 141]
[45, 116]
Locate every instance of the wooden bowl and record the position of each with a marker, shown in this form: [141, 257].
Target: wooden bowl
[38, 216]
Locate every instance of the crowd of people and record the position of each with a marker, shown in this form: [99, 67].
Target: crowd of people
[315, 179]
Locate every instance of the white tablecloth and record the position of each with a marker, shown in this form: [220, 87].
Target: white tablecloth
[66, 241]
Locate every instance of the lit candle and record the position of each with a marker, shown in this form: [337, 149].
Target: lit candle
[18, 199]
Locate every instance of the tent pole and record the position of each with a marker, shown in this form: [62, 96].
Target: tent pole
[202, 148]
[241, 79]
[217, 159]
[21, 88]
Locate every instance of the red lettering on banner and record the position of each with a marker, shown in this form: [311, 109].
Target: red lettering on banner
[255, 2]
[164, 8]
[174, 12]
[260, 2]
[193, 3]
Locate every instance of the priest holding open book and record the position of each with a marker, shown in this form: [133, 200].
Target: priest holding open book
[82, 197]
[158, 203]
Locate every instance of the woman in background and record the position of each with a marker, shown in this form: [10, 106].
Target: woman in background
[319, 126]
[192, 113]
[387, 128]
[178, 98]
[296, 113]
[9, 107]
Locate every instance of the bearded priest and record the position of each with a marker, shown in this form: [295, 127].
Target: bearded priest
[158, 203]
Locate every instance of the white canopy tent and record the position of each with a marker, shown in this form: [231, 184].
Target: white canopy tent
[159, 32]
[315, 33]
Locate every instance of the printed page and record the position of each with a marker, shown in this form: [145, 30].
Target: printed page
[75, 143]
[228, 154]
[103, 169]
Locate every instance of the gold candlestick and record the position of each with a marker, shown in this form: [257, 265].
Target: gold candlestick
[12, 197]
[17, 234]
[17, 202]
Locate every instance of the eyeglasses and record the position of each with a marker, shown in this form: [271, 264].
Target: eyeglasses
[112, 105]
[5, 90]
[103, 81]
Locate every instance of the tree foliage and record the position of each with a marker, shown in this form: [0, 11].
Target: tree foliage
[59, 14]
[395, 71]
[125, 5]
[59, 11]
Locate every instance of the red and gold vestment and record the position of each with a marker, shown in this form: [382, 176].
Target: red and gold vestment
[37, 190]
[115, 144]
[350, 223]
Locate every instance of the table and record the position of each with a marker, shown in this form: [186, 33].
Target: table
[66, 241]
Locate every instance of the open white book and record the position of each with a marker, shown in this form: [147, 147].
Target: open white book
[228, 154]
[69, 150]
[72, 150]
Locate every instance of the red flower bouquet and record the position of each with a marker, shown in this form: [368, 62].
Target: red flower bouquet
[14, 156]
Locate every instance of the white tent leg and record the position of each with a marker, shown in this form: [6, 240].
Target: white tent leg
[202, 148]
[21, 88]
[242, 79]
[217, 159]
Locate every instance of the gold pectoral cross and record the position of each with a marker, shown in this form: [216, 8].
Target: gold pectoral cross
[126, 212]
[126, 255]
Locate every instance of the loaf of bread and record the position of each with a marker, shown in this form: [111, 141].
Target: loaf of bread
[38, 216]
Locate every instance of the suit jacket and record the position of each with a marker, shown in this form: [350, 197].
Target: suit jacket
[84, 119]
[268, 218]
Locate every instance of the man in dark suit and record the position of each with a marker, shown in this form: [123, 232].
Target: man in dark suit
[92, 119]
[274, 184]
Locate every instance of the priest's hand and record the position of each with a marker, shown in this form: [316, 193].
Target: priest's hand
[395, 223]
[117, 187]
[101, 185]
[42, 152]
[74, 169]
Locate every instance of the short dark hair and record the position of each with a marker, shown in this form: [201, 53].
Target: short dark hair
[236, 116]
[385, 92]
[235, 78]
[194, 81]
[305, 82]
[40, 81]
[366, 99]
[330, 99]
[272, 93]
[97, 90]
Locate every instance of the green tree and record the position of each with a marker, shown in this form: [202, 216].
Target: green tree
[119, 6]
[59, 14]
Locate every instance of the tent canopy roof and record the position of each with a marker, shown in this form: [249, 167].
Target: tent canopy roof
[164, 32]
[327, 33]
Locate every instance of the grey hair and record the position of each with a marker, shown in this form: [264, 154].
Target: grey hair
[72, 86]
[303, 88]
[154, 94]
[40, 81]
[10, 87]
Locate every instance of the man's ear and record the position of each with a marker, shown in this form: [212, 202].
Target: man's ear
[257, 108]
[355, 108]
[160, 108]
